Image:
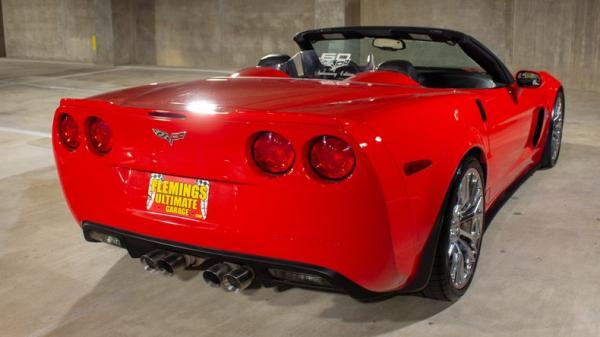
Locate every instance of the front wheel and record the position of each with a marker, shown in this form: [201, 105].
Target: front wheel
[554, 139]
[460, 238]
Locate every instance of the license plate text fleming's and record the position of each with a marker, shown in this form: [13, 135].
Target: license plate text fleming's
[185, 197]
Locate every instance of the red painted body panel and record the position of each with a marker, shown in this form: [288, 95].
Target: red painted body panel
[371, 227]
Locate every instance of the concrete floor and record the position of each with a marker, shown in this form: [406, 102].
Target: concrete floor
[538, 274]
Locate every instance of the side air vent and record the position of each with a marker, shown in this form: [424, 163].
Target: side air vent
[166, 115]
[539, 116]
[481, 110]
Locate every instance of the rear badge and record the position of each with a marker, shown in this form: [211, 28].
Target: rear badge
[184, 197]
[169, 137]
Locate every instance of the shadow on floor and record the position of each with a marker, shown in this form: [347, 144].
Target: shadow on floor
[507, 195]
[129, 302]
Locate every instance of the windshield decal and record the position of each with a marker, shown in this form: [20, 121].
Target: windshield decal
[335, 60]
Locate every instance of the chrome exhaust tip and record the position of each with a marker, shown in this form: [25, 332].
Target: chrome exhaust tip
[213, 276]
[171, 263]
[150, 260]
[238, 279]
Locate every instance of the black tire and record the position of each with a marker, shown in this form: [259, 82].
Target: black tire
[440, 286]
[547, 160]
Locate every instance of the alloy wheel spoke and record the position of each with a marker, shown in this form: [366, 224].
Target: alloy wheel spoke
[460, 268]
[474, 207]
[471, 236]
[454, 265]
[457, 265]
[464, 191]
[452, 249]
[470, 258]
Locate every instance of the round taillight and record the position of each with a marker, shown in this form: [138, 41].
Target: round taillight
[68, 131]
[332, 158]
[273, 153]
[100, 135]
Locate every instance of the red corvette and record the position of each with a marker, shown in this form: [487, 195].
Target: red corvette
[366, 163]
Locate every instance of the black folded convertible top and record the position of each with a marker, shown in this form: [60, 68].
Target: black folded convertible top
[305, 39]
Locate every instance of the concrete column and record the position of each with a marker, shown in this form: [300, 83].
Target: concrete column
[115, 31]
[145, 31]
[334, 13]
[2, 45]
[103, 28]
[124, 31]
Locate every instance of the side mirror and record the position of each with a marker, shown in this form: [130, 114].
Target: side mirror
[529, 79]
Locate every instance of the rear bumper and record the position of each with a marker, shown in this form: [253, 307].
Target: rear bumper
[138, 245]
[367, 228]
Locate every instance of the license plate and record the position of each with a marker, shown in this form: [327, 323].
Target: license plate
[185, 197]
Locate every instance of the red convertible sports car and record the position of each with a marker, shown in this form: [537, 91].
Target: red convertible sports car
[366, 163]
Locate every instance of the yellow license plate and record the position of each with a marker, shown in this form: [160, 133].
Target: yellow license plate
[185, 197]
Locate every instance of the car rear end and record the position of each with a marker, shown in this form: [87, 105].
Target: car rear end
[264, 190]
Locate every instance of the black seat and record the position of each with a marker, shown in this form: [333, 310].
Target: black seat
[400, 66]
[280, 62]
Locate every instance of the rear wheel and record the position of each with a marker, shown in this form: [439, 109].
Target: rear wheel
[554, 139]
[460, 239]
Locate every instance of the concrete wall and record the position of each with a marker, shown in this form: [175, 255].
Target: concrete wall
[224, 34]
[487, 20]
[562, 37]
[229, 34]
[65, 30]
[49, 29]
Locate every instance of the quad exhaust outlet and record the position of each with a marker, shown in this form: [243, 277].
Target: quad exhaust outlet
[213, 276]
[166, 262]
[150, 260]
[238, 279]
[172, 262]
[231, 277]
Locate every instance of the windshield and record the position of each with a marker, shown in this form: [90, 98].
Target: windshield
[438, 64]
[426, 54]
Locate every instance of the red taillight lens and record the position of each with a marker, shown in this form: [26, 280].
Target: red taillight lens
[100, 135]
[273, 153]
[68, 131]
[332, 158]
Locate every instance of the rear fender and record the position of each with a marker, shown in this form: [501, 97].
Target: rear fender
[415, 199]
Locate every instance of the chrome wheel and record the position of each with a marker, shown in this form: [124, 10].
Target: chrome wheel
[466, 227]
[557, 128]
